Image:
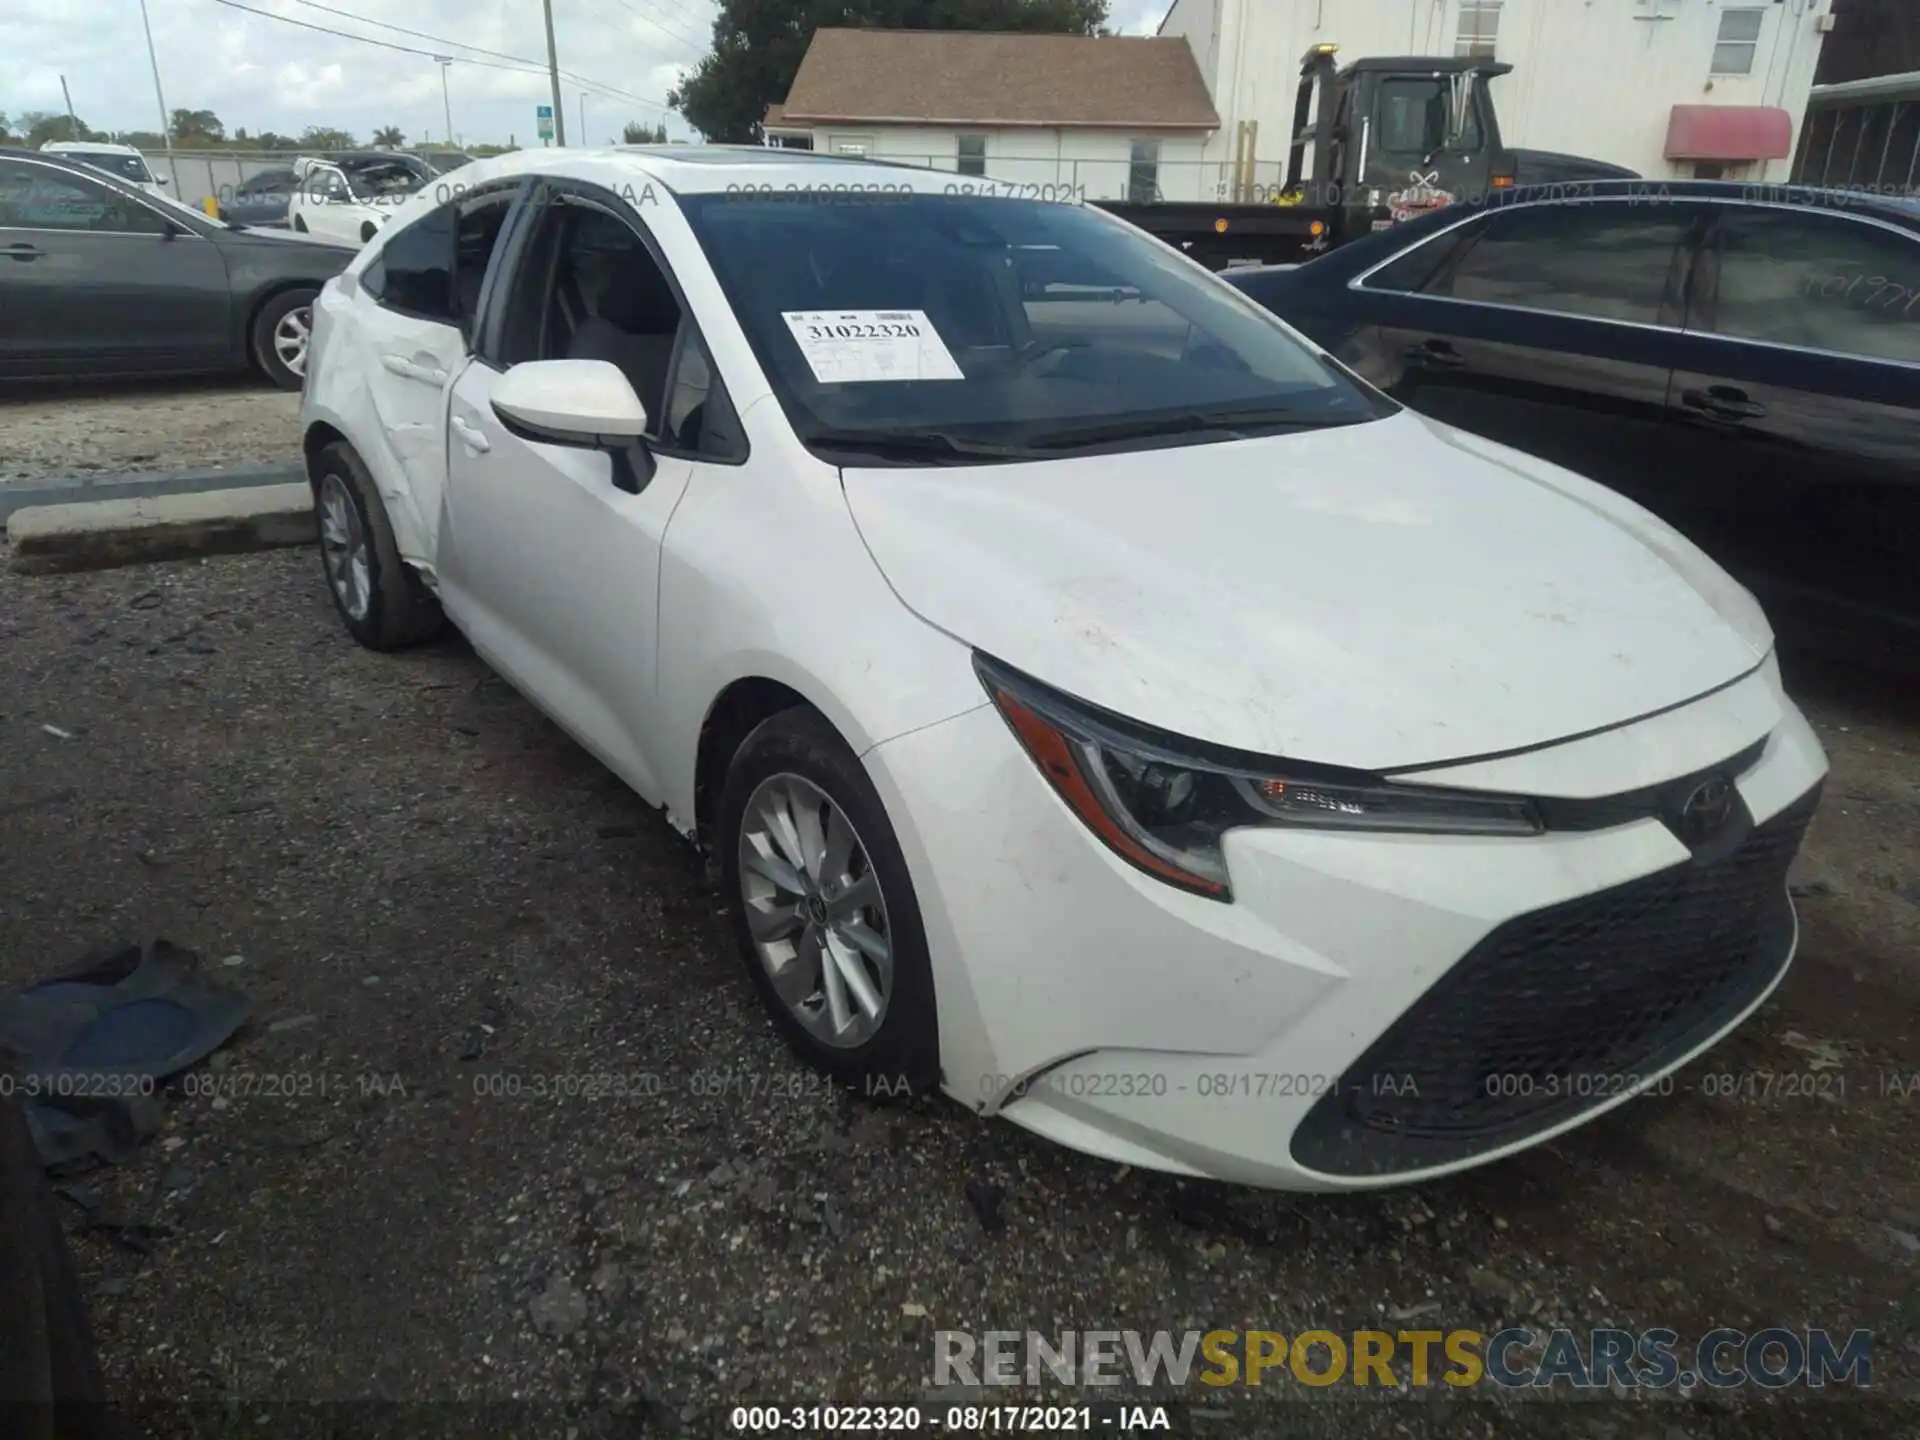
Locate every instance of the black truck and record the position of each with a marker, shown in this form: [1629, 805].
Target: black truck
[1387, 138]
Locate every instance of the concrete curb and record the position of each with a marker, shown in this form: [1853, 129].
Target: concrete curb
[16, 495]
[57, 539]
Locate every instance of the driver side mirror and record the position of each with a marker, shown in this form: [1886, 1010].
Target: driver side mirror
[582, 404]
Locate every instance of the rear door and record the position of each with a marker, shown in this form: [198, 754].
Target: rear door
[1796, 416]
[1547, 327]
[93, 279]
[416, 305]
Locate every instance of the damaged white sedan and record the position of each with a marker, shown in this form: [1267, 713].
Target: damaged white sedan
[1099, 704]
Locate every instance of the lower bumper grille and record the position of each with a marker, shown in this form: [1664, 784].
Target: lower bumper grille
[1559, 1011]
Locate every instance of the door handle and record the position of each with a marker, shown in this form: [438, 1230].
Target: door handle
[471, 435]
[20, 250]
[1723, 402]
[428, 373]
[1435, 355]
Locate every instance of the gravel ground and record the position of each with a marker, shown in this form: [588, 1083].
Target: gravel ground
[432, 896]
[184, 425]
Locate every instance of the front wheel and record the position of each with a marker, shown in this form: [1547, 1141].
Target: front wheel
[300, 224]
[824, 911]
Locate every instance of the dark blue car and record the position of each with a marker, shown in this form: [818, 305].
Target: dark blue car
[1743, 360]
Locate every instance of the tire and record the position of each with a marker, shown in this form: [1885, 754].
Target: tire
[898, 1056]
[381, 599]
[271, 335]
[300, 224]
[367, 232]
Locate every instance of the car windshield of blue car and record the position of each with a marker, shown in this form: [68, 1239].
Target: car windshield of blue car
[951, 327]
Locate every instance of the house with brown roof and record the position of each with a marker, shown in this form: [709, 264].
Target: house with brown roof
[1100, 117]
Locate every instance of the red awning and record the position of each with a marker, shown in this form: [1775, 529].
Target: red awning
[1729, 132]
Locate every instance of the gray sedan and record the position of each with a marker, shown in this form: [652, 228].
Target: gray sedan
[98, 279]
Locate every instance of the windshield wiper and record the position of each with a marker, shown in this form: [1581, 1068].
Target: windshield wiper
[1191, 422]
[935, 444]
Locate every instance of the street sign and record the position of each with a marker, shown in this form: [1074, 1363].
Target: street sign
[543, 116]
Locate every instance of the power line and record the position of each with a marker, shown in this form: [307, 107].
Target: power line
[521, 66]
[671, 34]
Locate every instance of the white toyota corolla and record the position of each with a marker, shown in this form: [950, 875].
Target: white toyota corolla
[1097, 703]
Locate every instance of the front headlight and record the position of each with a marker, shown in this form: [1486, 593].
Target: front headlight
[1162, 804]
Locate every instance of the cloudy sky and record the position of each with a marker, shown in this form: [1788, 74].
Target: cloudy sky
[267, 74]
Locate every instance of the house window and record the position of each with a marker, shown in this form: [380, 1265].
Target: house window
[972, 159]
[1143, 171]
[1738, 40]
[1479, 28]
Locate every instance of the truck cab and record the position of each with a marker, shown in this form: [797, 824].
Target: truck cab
[1392, 137]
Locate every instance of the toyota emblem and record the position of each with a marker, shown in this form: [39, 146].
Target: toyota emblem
[1706, 809]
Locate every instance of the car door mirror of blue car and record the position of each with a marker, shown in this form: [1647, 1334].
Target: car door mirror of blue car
[583, 404]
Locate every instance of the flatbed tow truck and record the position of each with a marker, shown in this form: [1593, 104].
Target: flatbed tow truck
[1389, 138]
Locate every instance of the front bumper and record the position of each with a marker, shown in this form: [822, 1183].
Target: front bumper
[1370, 1009]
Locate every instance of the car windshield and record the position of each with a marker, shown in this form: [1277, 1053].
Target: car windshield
[378, 179]
[965, 327]
[127, 167]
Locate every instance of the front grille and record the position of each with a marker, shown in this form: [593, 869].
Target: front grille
[1556, 1012]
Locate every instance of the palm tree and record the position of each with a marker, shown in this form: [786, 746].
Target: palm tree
[388, 137]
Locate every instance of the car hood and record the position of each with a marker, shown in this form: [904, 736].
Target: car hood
[1378, 596]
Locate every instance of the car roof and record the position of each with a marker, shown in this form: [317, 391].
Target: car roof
[707, 169]
[104, 147]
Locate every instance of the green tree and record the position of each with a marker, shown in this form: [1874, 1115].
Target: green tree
[322, 137]
[39, 126]
[389, 136]
[6, 128]
[634, 133]
[196, 128]
[758, 46]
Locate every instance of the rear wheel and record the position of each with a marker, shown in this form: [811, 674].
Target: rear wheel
[281, 332]
[300, 224]
[824, 911]
[383, 602]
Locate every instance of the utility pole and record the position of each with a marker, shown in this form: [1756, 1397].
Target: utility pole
[553, 75]
[73, 125]
[446, 104]
[583, 117]
[166, 129]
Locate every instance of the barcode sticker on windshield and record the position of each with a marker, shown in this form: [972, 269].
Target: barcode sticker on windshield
[859, 347]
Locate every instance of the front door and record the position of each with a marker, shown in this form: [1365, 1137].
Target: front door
[93, 279]
[1546, 327]
[1796, 418]
[550, 568]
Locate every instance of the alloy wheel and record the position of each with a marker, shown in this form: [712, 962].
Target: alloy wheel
[290, 338]
[343, 546]
[815, 911]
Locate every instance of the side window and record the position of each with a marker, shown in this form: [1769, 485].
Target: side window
[1820, 281]
[36, 197]
[476, 232]
[414, 271]
[1419, 267]
[586, 287]
[1606, 262]
[700, 417]
[328, 185]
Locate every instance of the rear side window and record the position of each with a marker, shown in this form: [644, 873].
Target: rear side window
[432, 269]
[413, 272]
[1605, 262]
[1823, 282]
